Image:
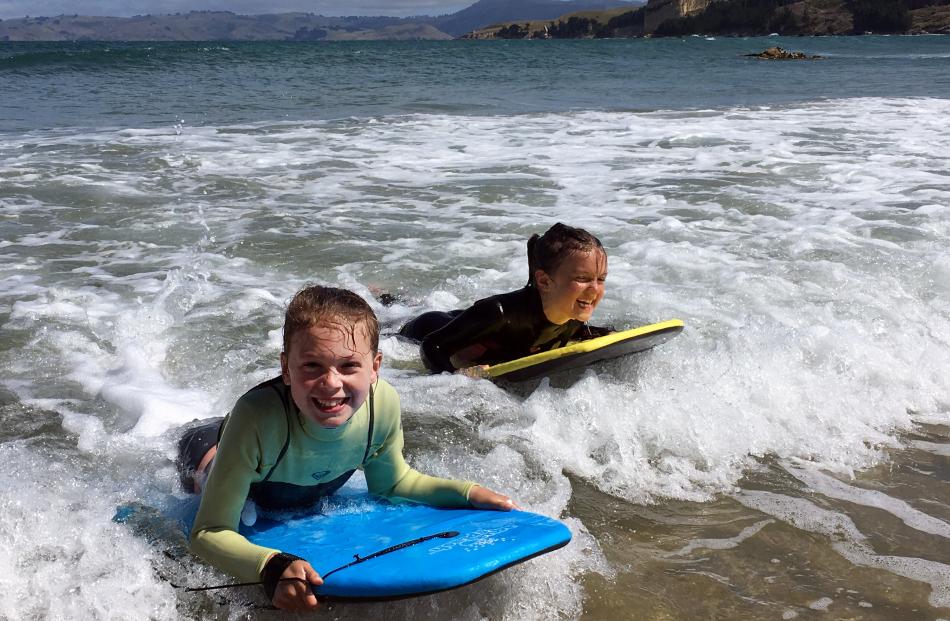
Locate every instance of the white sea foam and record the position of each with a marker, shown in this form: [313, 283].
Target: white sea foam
[848, 541]
[804, 246]
[61, 554]
[932, 447]
[833, 488]
[721, 544]
[772, 242]
[821, 604]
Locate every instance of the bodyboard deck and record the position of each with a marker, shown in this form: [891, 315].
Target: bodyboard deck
[367, 548]
[583, 353]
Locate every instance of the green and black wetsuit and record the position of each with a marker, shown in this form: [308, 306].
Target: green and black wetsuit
[495, 329]
[271, 452]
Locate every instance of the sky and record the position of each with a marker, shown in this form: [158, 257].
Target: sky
[330, 8]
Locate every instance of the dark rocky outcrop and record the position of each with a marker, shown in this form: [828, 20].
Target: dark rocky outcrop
[777, 53]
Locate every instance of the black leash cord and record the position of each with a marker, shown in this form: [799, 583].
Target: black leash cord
[229, 586]
[357, 560]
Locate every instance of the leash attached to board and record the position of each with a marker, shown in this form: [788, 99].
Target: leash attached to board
[357, 560]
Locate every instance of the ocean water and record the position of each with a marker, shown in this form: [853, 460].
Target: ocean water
[787, 456]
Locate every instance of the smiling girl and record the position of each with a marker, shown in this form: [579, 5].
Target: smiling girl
[297, 438]
[567, 269]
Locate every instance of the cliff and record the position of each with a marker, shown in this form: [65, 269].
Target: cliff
[659, 11]
[659, 18]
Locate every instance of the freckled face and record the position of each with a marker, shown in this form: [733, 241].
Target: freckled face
[330, 372]
[575, 288]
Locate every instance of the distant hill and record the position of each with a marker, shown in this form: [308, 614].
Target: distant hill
[511, 19]
[228, 26]
[215, 26]
[487, 12]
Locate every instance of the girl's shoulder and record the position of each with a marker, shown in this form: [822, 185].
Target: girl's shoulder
[264, 405]
[520, 303]
[384, 394]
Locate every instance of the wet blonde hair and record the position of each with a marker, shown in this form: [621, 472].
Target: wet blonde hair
[319, 305]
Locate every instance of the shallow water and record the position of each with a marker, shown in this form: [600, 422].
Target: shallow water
[786, 456]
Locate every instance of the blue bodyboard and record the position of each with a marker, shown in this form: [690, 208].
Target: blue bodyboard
[367, 548]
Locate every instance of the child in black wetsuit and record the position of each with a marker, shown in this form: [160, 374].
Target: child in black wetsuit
[567, 269]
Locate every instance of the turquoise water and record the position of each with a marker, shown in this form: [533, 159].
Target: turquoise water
[155, 84]
[786, 456]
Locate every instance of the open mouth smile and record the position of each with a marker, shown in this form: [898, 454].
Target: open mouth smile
[330, 406]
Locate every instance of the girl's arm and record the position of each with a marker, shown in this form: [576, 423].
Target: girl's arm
[458, 344]
[388, 474]
[215, 536]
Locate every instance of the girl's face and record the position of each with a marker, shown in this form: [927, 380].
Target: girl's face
[575, 288]
[330, 370]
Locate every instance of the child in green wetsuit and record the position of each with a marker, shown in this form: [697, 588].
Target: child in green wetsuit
[298, 437]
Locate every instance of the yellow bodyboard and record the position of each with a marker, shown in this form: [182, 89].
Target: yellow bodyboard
[601, 348]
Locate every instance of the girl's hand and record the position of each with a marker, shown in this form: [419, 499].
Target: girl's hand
[483, 498]
[296, 595]
[477, 372]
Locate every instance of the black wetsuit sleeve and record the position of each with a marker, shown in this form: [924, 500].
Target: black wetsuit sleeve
[463, 335]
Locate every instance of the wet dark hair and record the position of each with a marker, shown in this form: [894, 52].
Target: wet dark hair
[316, 305]
[547, 252]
